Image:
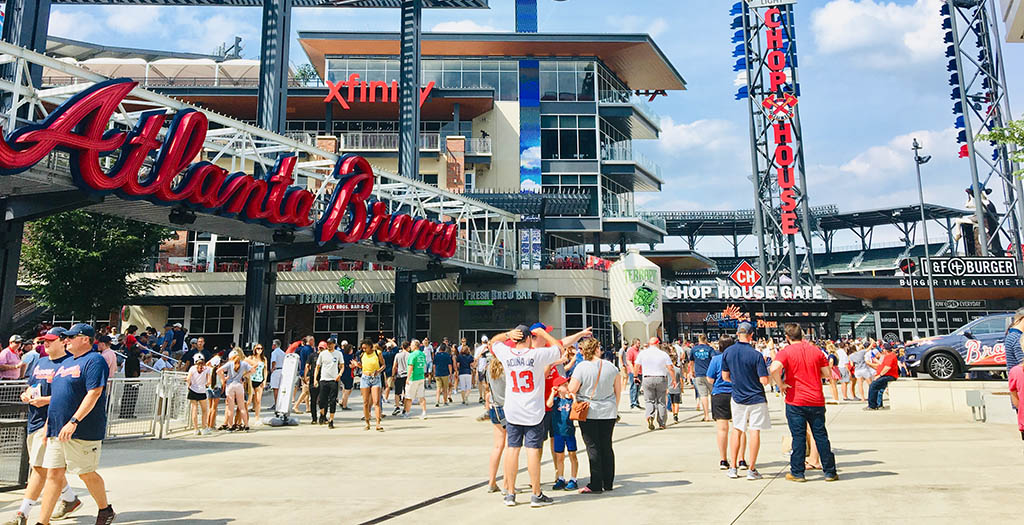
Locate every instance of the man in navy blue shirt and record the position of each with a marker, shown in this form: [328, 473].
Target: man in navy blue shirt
[744, 367]
[77, 423]
[37, 396]
[444, 367]
[700, 357]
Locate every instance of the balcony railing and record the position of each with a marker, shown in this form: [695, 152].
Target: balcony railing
[618, 205]
[156, 81]
[626, 97]
[385, 141]
[623, 151]
[166, 264]
[475, 146]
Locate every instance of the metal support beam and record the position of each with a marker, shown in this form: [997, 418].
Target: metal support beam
[11, 233]
[26, 208]
[409, 91]
[405, 300]
[26, 23]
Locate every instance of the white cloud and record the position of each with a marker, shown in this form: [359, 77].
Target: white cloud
[879, 34]
[530, 185]
[134, 19]
[530, 158]
[707, 134]
[895, 158]
[637, 24]
[463, 26]
[76, 25]
[203, 34]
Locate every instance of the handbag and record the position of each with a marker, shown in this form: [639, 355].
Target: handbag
[579, 409]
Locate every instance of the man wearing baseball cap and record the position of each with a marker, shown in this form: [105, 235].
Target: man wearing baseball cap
[888, 370]
[76, 423]
[10, 359]
[744, 367]
[37, 396]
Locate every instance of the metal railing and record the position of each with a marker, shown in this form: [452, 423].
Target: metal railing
[168, 264]
[618, 205]
[13, 426]
[132, 404]
[384, 141]
[157, 81]
[623, 152]
[478, 146]
[626, 97]
[174, 412]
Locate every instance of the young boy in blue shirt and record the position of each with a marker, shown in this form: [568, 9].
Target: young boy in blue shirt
[564, 433]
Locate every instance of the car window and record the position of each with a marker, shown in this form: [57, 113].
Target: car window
[989, 326]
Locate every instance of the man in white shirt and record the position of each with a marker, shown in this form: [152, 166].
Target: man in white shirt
[326, 377]
[525, 363]
[161, 364]
[656, 367]
[276, 367]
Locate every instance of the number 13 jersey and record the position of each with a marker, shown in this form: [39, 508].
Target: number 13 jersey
[524, 381]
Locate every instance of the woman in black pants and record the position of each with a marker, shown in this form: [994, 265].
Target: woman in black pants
[595, 381]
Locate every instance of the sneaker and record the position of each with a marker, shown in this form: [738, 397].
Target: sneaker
[650, 423]
[559, 485]
[424, 417]
[66, 508]
[398, 410]
[540, 501]
[199, 432]
[323, 420]
[675, 417]
[731, 473]
[346, 408]
[510, 500]
[493, 488]
[571, 485]
[18, 519]
[105, 516]
[791, 477]
[753, 475]
[436, 405]
[742, 464]
[831, 477]
[330, 424]
[723, 465]
[869, 408]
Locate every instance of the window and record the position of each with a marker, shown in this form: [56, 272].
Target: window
[567, 81]
[176, 314]
[422, 320]
[344, 324]
[568, 184]
[568, 137]
[469, 176]
[500, 75]
[581, 312]
[279, 319]
[212, 320]
[380, 322]
[989, 326]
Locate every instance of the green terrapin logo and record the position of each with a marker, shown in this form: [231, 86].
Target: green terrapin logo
[346, 283]
[644, 300]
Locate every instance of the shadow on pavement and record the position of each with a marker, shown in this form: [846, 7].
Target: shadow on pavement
[142, 451]
[851, 451]
[864, 474]
[158, 516]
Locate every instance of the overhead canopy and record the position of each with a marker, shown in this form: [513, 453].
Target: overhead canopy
[634, 58]
[885, 216]
[65, 47]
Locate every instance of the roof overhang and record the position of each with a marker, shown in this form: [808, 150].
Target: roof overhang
[888, 288]
[634, 58]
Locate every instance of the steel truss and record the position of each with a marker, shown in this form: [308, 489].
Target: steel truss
[487, 233]
[981, 104]
[778, 252]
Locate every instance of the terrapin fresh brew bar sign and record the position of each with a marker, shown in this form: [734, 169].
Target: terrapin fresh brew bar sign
[80, 126]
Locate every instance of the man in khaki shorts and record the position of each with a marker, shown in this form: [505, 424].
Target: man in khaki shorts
[37, 396]
[76, 423]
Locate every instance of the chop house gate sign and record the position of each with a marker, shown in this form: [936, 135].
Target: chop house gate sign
[80, 127]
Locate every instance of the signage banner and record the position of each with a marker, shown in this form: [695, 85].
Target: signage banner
[344, 307]
[958, 304]
[634, 284]
[81, 126]
[325, 298]
[972, 266]
[964, 282]
[723, 291]
[368, 91]
[483, 295]
[478, 302]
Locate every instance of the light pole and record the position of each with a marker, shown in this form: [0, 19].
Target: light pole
[918, 162]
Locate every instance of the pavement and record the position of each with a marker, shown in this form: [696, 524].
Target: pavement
[894, 467]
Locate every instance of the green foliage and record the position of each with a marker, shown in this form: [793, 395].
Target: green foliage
[306, 74]
[1012, 134]
[79, 263]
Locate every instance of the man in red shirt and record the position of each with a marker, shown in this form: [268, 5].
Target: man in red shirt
[888, 370]
[634, 374]
[805, 366]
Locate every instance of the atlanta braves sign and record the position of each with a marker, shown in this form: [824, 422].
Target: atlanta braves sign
[80, 127]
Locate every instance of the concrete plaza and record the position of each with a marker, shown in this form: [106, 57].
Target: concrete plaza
[894, 467]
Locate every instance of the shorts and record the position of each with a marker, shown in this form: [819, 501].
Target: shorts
[196, 396]
[465, 382]
[78, 456]
[414, 390]
[369, 381]
[750, 417]
[863, 374]
[347, 382]
[36, 443]
[481, 376]
[703, 385]
[526, 435]
[497, 415]
[400, 385]
[442, 382]
[275, 379]
[214, 393]
[257, 384]
[564, 442]
[844, 374]
[675, 398]
[720, 406]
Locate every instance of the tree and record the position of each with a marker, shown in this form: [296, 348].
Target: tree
[306, 74]
[1011, 135]
[82, 264]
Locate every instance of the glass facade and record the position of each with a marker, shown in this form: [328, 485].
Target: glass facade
[500, 75]
[581, 312]
[568, 137]
[567, 81]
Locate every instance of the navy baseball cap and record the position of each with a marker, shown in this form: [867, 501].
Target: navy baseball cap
[54, 333]
[886, 346]
[745, 328]
[81, 329]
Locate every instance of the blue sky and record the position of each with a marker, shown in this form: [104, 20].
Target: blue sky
[872, 72]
